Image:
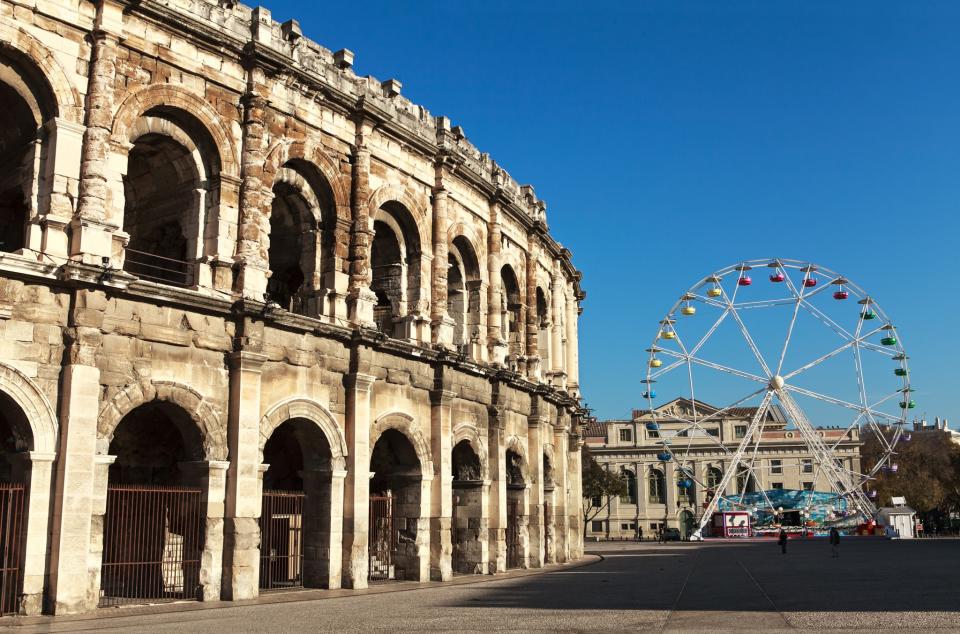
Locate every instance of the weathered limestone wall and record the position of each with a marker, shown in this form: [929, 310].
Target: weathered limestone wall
[176, 125]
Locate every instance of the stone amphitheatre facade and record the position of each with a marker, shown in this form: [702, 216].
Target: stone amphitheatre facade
[264, 323]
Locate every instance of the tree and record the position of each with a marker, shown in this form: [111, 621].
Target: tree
[599, 485]
[928, 473]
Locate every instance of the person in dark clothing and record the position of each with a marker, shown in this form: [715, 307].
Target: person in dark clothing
[782, 540]
[834, 542]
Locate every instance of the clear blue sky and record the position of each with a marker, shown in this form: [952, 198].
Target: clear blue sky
[672, 138]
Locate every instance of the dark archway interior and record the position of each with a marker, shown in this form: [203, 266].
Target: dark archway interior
[514, 468]
[466, 462]
[543, 328]
[160, 191]
[547, 472]
[295, 514]
[25, 103]
[511, 308]
[291, 225]
[386, 262]
[15, 438]
[396, 473]
[151, 442]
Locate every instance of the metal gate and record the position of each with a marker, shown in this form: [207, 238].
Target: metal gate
[12, 539]
[152, 544]
[382, 537]
[513, 535]
[281, 540]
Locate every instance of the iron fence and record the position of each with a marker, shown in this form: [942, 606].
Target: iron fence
[383, 537]
[12, 538]
[281, 540]
[152, 544]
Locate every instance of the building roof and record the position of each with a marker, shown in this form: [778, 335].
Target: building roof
[595, 429]
[774, 413]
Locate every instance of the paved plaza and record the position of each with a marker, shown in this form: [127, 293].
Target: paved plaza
[874, 584]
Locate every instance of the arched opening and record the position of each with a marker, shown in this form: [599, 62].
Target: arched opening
[463, 294]
[396, 526]
[171, 188]
[686, 487]
[656, 487]
[469, 531]
[510, 312]
[517, 522]
[395, 268]
[301, 252]
[153, 530]
[27, 104]
[295, 515]
[543, 329]
[15, 441]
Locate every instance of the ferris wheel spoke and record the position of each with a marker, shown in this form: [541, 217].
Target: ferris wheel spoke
[890, 352]
[764, 303]
[819, 314]
[667, 368]
[855, 343]
[842, 403]
[706, 336]
[715, 366]
[749, 340]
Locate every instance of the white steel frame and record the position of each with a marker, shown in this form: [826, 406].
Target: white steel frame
[773, 383]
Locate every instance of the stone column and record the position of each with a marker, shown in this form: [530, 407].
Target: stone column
[241, 560]
[323, 528]
[573, 360]
[34, 469]
[90, 238]
[670, 494]
[497, 498]
[496, 340]
[75, 543]
[360, 299]
[356, 496]
[254, 212]
[561, 483]
[440, 320]
[441, 507]
[575, 499]
[211, 477]
[533, 317]
[557, 362]
[537, 526]
[337, 279]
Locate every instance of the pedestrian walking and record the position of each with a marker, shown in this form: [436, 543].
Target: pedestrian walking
[834, 542]
[782, 540]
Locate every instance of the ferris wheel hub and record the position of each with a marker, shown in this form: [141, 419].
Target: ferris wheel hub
[776, 383]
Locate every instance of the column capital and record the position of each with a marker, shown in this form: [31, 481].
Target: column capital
[360, 382]
[441, 396]
[246, 360]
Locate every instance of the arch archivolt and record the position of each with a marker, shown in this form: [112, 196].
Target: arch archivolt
[470, 433]
[408, 426]
[35, 405]
[310, 410]
[417, 210]
[519, 447]
[155, 125]
[476, 242]
[285, 150]
[136, 104]
[212, 431]
[69, 103]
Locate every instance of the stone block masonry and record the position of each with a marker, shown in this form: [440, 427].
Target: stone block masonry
[233, 271]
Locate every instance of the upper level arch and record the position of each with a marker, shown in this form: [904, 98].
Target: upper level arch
[406, 425]
[306, 409]
[57, 96]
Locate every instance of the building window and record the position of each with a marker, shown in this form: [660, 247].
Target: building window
[739, 431]
[656, 484]
[714, 476]
[596, 501]
[596, 526]
[626, 435]
[713, 431]
[808, 486]
[776, 466]
[777, 485]
[631, 496]
[627, 526]
[652, 433]
[806, 465]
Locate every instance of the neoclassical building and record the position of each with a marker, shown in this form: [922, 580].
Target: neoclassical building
[264, 323]
[654, 494]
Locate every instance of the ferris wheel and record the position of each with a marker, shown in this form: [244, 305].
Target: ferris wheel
[800, 355]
